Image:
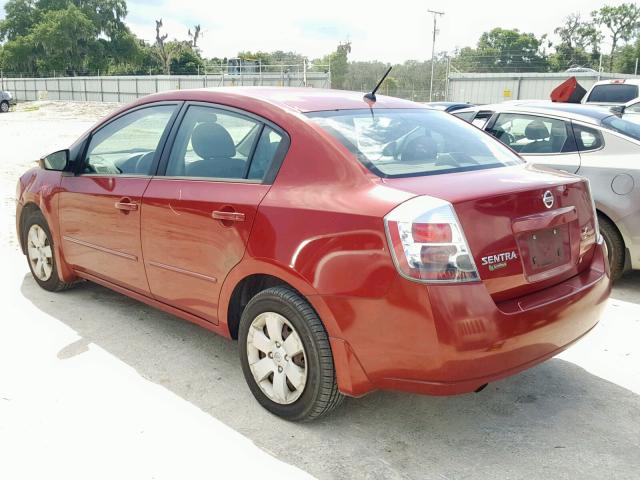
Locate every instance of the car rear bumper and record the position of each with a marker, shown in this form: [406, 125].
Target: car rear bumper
[463, 339]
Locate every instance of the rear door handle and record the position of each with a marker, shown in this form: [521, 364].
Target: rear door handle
[126, 205]
[228, 216]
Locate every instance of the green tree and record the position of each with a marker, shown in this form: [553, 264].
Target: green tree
[502, 50]
[579, 44]
[20, 17]
[339, 64]
[626, 58]
[65, 38]
[622, 21]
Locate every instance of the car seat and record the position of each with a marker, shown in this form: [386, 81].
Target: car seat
[214, 145]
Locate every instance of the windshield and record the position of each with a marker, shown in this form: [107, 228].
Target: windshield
[412, 142]
[613, 93]
[626, 126]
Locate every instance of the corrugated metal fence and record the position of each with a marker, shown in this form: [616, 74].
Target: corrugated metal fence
[480, 88]
[128, 88]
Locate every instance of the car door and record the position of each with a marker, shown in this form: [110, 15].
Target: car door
[100, 204]
[196, 219]
[540, 139]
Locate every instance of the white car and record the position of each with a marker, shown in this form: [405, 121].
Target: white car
[587, 140]
[623, 91]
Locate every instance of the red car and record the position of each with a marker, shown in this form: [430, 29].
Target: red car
[348, 245]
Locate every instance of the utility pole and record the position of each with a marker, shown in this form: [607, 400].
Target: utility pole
[433, 48]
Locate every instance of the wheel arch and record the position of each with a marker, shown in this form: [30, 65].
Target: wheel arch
[252, 276]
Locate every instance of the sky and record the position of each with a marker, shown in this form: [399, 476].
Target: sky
[389, 31]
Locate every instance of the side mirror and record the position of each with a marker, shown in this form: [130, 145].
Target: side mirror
[57, 161]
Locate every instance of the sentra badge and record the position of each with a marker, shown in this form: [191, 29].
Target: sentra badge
[499, 260]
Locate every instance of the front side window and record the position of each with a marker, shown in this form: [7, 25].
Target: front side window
[413, 142]
[214, 143]
[635, 108]
[127, 145]
[530, 134]
[613, 93]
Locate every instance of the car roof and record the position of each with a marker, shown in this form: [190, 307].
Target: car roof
[573, 111]
[618, 81]
[300, 99]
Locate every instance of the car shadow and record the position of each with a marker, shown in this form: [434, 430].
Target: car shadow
[627, 288]
[555, 420]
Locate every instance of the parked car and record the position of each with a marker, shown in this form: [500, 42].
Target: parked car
[613, 92]
[586, 140]
[348, 245]
[6, 101]
[447, 106]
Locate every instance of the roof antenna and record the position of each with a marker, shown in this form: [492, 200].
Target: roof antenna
[370, 97]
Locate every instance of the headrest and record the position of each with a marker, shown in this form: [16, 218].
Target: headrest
[211, 140]
[536, 130]
[558, 130]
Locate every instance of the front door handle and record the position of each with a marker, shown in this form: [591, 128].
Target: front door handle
[228, 216]
[126, 205]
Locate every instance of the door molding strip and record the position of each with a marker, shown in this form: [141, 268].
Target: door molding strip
[183, 271]
[128, 256]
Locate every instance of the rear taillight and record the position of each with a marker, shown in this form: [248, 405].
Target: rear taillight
[427, 242]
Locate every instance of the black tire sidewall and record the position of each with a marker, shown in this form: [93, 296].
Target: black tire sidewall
[301, 408]
[36, 218]
[615, 247]
[4, 106]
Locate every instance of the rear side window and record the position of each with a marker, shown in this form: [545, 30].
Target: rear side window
[413, 142]
[213, 143]
[613, 93]
[481, 119]
[268, 145]
[587, 138]
[466, 116]
[532, 134]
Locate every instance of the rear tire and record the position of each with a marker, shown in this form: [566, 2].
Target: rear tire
[39, 248]
[615, 246]
[272, 321]
[4, 106]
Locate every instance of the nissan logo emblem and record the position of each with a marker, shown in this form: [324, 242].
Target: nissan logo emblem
[547, 199]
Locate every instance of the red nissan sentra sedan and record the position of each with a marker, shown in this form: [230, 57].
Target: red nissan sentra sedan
[348, 245]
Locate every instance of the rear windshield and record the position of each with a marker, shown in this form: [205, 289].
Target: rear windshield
[413, 142]
[613, 93]
[627, 126]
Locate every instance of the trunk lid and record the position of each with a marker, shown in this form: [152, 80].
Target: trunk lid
[520, 244]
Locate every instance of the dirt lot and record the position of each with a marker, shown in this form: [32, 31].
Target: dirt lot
[95, 385]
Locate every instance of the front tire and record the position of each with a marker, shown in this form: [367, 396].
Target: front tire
[4, 106]
[615, 246]
[286, 356]
[40, 253]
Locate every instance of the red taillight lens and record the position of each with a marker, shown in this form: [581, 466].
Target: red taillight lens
[427, 242]
[431, 232]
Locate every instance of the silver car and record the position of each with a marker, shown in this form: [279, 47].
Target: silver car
[6, 100]
[586, 140]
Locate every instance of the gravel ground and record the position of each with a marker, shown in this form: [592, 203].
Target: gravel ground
[96, 385]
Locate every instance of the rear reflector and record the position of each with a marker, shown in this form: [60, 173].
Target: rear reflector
[427, 242]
